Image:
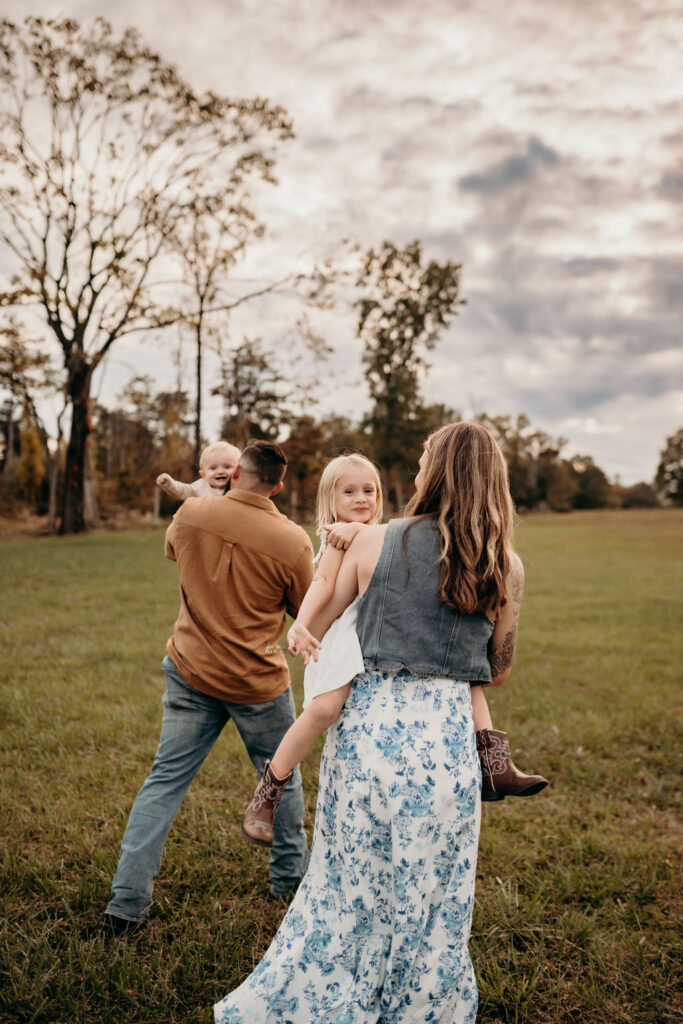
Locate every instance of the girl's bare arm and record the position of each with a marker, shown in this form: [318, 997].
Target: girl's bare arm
[303, 633]
[355, 572]
[313, 619]
[340, 535]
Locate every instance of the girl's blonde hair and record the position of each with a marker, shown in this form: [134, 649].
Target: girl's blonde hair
[466, 489]
[325, 511]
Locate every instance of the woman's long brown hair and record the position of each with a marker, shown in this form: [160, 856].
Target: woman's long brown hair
[466, 489]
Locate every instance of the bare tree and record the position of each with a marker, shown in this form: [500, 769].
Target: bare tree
[24, 370]
[27, 374]
[255, 394]
[104, 150]
[403, 307]
[209, 241]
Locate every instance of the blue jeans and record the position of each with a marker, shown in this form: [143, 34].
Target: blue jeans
[192, 722]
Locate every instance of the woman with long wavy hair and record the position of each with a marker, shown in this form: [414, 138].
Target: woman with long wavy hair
[378, 930]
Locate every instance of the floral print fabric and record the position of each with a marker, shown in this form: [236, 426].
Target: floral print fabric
[379, 928]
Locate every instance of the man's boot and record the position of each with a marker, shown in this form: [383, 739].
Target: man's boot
[500, 778]
[257, 824]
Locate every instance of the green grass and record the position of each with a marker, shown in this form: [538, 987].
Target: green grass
[578, 893]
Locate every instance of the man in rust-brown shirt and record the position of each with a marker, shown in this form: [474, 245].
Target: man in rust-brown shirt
[242, 566]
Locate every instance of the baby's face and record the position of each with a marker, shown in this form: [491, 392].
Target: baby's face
[219, 466]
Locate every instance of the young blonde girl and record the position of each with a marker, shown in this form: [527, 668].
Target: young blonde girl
[349, 492]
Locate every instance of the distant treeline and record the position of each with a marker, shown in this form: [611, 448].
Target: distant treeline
[153, 432]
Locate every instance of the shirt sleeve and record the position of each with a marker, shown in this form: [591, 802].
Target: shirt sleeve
[169, 550]
[302, 577]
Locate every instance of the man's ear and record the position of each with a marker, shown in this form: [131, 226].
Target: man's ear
[236, 472]
[277, 490]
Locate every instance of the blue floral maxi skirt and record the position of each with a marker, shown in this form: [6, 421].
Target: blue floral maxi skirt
[379, 927]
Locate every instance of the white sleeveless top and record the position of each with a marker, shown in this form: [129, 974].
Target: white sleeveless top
[340, 658]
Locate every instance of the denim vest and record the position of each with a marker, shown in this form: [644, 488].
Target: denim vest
[402, 624]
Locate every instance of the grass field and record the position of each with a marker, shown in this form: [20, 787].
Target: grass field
[578, 892]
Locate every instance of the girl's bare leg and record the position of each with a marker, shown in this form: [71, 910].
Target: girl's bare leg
[481, 715]
[257, 824]
[299, 739]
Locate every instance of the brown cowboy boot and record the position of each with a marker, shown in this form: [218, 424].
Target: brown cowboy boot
[500, 778]
[257, 824]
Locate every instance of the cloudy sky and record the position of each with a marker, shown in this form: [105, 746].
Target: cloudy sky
[539, 143]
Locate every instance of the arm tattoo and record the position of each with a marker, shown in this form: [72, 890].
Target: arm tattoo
[517, 589]
[501, 657]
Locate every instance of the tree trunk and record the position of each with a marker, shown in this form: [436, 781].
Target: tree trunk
[9, 450]
[91, 515]
[156, 518]
[386, 486]
[52, 470]
[53, 464]
[198, 410]
[73, 516]
[398, 489]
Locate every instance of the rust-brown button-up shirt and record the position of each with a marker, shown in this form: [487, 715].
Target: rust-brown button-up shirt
[242, 566]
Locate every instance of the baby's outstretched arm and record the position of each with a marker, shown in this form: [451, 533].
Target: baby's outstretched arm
[175, 488]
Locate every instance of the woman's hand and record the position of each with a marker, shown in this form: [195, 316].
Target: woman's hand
[301, 641]
[341, 535]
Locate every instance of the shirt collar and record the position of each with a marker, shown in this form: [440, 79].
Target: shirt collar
[249, 498]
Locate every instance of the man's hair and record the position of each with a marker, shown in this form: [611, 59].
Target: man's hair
[264, 460]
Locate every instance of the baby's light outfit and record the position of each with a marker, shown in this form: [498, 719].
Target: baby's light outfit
[199, 489]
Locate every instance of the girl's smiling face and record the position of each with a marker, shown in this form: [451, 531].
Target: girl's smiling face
[355, 496]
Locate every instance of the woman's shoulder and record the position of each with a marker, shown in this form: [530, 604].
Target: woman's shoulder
[421, 530]
[372, 533]
[404, 523]
[516, 565]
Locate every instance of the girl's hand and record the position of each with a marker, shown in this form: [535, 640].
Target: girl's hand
[341, 535]
[301, 641]
[163, 479]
